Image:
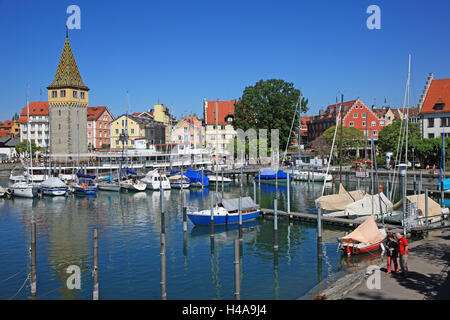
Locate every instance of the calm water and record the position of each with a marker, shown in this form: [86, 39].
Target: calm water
[129, 249]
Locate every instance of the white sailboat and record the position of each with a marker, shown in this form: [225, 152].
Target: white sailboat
[156, 181]
[179, 181]
[24, 188]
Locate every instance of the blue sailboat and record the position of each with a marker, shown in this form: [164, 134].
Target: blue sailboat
[195, 178]
[85, 185]
[271, 176]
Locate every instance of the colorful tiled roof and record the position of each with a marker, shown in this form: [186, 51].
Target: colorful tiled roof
[67, 74]
[438, 93]
[225, 108]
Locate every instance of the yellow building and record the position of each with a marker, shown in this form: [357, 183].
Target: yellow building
[136, 130]
[161, 114]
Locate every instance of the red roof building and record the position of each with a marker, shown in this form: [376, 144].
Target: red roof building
[98, 126]
[39, 124]
[434, 108]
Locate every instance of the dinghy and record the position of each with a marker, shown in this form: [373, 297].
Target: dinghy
[367, 237]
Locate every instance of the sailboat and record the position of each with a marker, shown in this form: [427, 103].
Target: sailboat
[85, 184]
[107, 184]
[157, 181]
[54, 187]
[132, 184]
[24, 188]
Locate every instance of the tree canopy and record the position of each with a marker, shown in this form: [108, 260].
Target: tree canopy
[388, 140]
[269, 104]
[21, 147]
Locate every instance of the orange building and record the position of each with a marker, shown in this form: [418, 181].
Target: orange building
[98, 126]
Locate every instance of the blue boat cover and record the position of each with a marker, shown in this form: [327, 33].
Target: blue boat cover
[109, 179]
[86, 176]
[446, 184]
[196, 176]
[272, 174]
[131, 172]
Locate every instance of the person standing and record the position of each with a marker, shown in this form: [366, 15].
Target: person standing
[404, 252]
[391, 252]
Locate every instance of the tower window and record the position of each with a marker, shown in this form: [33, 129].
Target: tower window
[59, 112]
[54, 94]
[82, 94]
[75, 93]
[62, 93]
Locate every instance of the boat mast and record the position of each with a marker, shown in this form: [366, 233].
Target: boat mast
[407, 111]
[299, 127]
[28, 137]
[217, 148]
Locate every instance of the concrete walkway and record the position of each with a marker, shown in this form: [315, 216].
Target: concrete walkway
[428, 276]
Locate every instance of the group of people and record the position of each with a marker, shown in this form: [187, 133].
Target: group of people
[397, 248]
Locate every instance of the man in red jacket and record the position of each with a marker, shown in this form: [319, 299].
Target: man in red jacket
[403, 252]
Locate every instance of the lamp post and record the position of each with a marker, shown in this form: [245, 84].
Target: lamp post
[402, 169]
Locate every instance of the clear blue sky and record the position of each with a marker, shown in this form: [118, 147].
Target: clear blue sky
[181, 51]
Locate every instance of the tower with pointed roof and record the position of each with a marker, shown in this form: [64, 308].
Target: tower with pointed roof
[68, 100]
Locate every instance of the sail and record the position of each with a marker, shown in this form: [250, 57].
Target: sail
[338, 202]
[86, 176]
[367, 232]
[363, 207]
[434, 209]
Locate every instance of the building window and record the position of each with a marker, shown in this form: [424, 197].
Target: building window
[82, 95]
[89, 134]
[59, 126]
[364, 115]
[375, 133]
[75, 94]
[62, 93]
[223, 136]
[132, 131]
[431, 135]
[355, 115]
[374, 123]
[117, 131]
[222, 127]
[382, 123]
[431, 123]
[59, 113]
[445, 122]
[54, 94]
[351, 124]
[364, 123]
[89, 125]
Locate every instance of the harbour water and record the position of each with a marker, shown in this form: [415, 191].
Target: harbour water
[129, 247]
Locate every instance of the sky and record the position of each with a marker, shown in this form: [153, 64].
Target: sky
[179, 52]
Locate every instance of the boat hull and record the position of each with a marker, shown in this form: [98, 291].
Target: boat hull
[177, 185]
[351, 249]
[54, 191]
[201, 219]
[134, 187]
[82, 191]
[25, 192]
[109, 187]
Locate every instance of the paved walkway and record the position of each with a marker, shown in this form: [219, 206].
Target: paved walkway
[428, 276]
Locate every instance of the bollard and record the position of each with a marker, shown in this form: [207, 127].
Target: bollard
[237, 280]
[288, 183]
[426, 207]
[212, 216]
[33, 258]
[240, 219]
[163, 266]
[275, 226]
[95, 272]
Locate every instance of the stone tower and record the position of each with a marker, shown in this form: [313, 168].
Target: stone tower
[68, 100]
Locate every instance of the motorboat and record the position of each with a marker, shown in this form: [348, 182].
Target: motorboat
[367, 237]
[311, 176]
[178, 181]
[156, 181]
[133, 185]
[85, 184]
[220, 179]
[53, 186]
[226, 212]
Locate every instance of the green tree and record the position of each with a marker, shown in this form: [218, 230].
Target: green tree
[352, 139]
[269, 104]
[15, 117]
[428, 151]
[388, 139]
[21, 147]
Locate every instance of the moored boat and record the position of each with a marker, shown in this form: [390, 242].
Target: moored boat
[54, 187]
[24, 189]
[85, 185]
[156, 181]
[178, 181]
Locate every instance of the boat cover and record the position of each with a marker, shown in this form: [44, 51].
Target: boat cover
[434, 209]
[86, 176]
[53, 182]
[338, 202]
[196, 176]
[363, 207]
[271, 174]
[367, 232]
[247, 203]
[177, 177]
[131, 172]
[446, 184]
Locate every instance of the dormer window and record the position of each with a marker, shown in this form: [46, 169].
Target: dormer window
[439, 106]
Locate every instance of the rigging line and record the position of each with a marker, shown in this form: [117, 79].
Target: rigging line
[26, 279]
[332, 146]
[292, 125]
[13, 275]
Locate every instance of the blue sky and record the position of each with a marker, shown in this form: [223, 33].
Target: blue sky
[178, 52]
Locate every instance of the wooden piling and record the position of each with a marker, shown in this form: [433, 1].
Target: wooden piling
[33, 258]
[259, 178]
[319, 227]
[212, 216]
[275, 226]
[237, 280]
[288, 183]
[95, 273]
[184, 219]
[163, 266]
[202, 178]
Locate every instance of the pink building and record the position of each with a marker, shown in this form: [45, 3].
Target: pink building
[188, 131]
[99, 130]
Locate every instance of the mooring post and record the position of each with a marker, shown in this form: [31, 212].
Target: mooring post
[163, 266]
[319, 227]
[237, 280]
[202, 178]
[414, 185]
[358, 183]
[221, 169]
[259, 178]
[242, 175]
[254, 191]
[426, 207]
[33, 258]
[240, 219]
[420, 182]
[212, 215]
[184, 219]
[275, 226]
[288, 194]
[95, 294]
